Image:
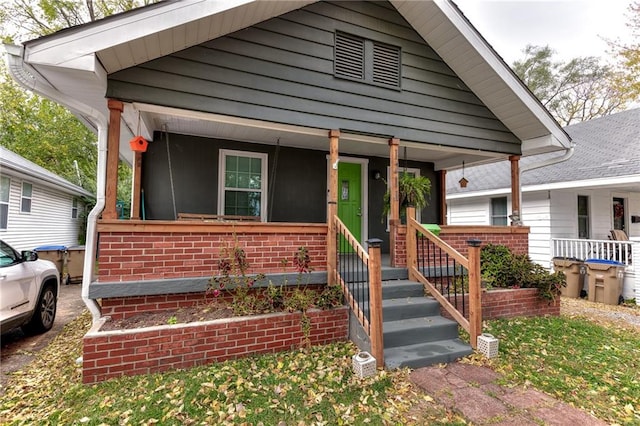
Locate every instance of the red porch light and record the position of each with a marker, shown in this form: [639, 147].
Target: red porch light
[138, 144]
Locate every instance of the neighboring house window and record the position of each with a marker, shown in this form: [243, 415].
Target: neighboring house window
[25, 202]
[357, 58]
[619, 214]
[5, 185]
[74, 209]
[499, 211]
[583, 217]
[244, 181]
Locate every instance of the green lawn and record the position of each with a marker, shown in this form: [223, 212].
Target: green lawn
[594, 367]
[314, 386]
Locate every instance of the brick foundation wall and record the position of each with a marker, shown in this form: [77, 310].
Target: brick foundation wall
[509, 303]
[133, 256]
[124, 307]
[121, 353]
[514, 237]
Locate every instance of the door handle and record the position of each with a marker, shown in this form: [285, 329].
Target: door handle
[359, 211]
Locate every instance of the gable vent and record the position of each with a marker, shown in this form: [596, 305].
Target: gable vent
[386, 65]
[349, 56]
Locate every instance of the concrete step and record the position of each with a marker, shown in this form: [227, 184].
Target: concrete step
[395, 289]
[412, 331]
[391, 273]
[409, 307]
[424, 354]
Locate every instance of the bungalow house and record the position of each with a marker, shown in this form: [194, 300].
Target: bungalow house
[38, 207]
[581, 197]
[282, 114]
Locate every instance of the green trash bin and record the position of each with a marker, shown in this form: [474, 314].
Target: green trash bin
[435, 229]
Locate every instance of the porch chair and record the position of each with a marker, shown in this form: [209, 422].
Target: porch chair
[620, 235]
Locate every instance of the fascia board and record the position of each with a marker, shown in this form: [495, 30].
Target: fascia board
[67, 46]
[38, 178]
[611, 182]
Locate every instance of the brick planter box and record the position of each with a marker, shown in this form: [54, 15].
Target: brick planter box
[109, 354]
[509, 303]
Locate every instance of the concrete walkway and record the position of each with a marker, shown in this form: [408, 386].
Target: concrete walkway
[472, 392]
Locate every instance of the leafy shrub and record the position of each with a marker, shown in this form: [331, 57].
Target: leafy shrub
[501, 268]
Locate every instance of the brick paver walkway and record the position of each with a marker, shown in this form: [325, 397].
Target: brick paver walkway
[472, 391]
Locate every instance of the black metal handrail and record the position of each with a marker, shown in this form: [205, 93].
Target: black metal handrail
[353, 274]
[444, 272]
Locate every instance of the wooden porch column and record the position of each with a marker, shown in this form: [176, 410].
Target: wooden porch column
[137, 185]
[394, 202]
[442, 174]
[332, 207]
[475, 293]
[375, 301]
[113, 145]
[515, 190]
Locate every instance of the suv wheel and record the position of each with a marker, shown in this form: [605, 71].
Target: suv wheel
[45, 312]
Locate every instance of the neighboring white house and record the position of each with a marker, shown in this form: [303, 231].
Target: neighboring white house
[37, 207]
[594, 191]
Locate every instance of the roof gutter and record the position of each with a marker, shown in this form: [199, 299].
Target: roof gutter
[24, 75]
[516, 216]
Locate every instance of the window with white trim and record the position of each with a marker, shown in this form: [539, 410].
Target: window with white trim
[74, 209]
[499, 211]
[243, 183]
[5, 186]
[25, 200]
[583, 217]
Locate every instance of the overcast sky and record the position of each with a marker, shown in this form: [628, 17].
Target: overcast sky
[571, 27]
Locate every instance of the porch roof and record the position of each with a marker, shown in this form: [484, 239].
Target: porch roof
[15, 165]
[75, 63]
[606, 156]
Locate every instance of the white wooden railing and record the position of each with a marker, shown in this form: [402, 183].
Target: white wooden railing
[619, 251]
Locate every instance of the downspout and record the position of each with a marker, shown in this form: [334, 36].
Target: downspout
[568, 153]
[17, 69]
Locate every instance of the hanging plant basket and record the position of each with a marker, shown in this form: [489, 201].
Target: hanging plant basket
[138, 144]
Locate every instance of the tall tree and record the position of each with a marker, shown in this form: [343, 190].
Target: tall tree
[573, 91]
[628, 54]
[32, 19]
[36, 128]
[46, 134]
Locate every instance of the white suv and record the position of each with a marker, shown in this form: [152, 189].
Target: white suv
[29, 290]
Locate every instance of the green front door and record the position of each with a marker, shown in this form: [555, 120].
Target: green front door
[350, 197]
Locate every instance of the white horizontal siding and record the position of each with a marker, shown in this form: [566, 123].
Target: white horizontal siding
[49, 221]
[468, 212]
[537, 216]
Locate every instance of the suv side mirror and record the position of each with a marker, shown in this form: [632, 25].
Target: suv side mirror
[29, 256]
